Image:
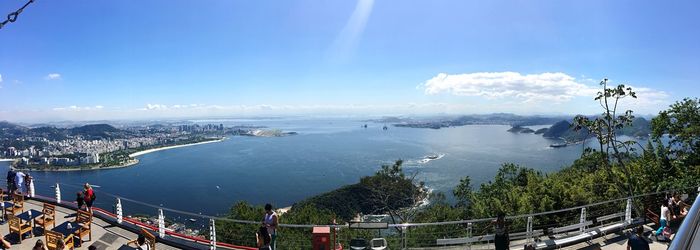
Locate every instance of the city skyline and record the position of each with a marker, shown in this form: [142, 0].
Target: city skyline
[81, 60]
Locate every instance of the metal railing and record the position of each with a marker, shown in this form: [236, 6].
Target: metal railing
[534, 228]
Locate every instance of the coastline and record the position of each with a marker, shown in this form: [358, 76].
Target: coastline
[130, 163]
[147, 151]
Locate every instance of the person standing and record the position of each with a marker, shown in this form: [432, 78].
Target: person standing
[500, 228]
[79, 200]
[637, 241]
[263, 239]
[270, 222]
[11, 181]
[664, 218]
[19, 182]
[88, 196]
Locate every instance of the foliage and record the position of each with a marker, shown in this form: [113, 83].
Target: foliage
[681, 122]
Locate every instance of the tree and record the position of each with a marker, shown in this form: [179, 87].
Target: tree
[681, 123]
[605, 127]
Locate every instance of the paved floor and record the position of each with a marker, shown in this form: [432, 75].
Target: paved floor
[104, 236]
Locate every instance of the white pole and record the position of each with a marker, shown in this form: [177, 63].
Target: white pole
[583, 220]
[529, 229]
[58, 194]
[628, 212]
[120, 215]
[212, 234]
[31, 188]
[161, 223]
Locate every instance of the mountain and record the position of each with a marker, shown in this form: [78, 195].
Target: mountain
[639, 127]
[557, 130]
[95, 130]
[50, 133]
[8, 129]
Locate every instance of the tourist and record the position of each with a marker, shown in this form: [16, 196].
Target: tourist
[637, 241]
[88, 196]
[11, 182]
[92, 247]
[80, 200]
[39, 245]
[5, 244]
[677, 205]
[500, 227]
[263, 238]
[271, 221]
[19, 182]
[664, 218]
[141, 243]
[60, 245]
[28, 182]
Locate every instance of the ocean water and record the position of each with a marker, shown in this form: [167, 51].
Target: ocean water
[325, 155]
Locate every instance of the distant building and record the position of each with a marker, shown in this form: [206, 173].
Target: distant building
[11, 152]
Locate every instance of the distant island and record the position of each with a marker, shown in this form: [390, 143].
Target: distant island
[564, 131]
[487, 119]
[103, 146]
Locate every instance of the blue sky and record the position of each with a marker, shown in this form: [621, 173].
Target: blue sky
[87, 60]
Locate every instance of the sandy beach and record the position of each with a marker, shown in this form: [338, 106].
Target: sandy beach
[7, 159]
[171, 147]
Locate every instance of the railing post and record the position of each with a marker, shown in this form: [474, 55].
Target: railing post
[120, 215]
[31, 188]
[161, 223]
[469, 233]
[212, 234]
[403, 237]
[529, 229]
[628, 212]
[582, 220]
[58, 194]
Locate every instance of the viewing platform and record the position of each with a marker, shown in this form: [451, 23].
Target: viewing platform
[591, 228]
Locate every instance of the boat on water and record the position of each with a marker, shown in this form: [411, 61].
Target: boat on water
[385, 127]
[558, 145]
[432, 156]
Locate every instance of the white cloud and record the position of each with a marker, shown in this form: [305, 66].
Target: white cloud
[556, 87]
[78, 108]
[53, 76]
[0, 77]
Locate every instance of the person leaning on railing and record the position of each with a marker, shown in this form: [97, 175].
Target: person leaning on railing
[501, 239]
[271, 221]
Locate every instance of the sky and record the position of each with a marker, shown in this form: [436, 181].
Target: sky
[97, 60]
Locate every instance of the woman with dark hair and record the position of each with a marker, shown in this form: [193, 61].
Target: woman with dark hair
[271, 221]
[263, 238]
[500, 229]
[79, 200]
